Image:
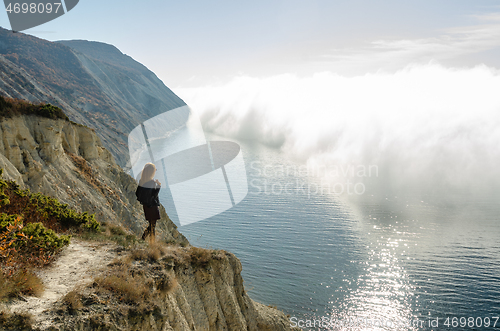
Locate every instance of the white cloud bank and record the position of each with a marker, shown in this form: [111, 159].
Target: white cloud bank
[426, 127]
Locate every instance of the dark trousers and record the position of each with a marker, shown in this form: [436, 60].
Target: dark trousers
[150, 230]
[152, 214]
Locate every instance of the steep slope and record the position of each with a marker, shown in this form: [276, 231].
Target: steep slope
[94, 83]
[67, 161]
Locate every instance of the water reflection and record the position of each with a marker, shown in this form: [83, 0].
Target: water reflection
[384, 294]
[400, 259]
[424, 263]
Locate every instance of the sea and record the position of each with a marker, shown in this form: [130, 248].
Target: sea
[373, 200]
[334, 262]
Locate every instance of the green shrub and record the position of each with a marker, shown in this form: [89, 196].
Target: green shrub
[44, 238]
[50, 111]
[5, 220]
[36, 207]
[4, 199]
[10, 107]
[67, 217]
[27, 236]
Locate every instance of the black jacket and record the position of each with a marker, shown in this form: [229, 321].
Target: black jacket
[148, 194]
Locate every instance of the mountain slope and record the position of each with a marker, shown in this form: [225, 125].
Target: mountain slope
[94, 83]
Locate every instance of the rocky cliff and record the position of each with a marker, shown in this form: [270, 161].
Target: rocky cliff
[94, 83]
[182, 294]
[67, 161]
[185, 288]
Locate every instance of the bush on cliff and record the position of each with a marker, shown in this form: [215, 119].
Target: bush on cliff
[37, 207]
[10, 107]
[28, 238]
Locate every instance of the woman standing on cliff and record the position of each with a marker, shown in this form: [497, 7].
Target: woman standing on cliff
[147, 194]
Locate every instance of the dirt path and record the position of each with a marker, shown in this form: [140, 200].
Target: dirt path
[76, 265]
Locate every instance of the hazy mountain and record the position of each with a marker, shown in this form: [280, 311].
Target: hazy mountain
[94, 83]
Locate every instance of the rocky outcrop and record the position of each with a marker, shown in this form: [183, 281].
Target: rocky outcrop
[67, 161]
[210, 297]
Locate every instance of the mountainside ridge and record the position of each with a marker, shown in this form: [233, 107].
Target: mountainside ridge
[93, 82]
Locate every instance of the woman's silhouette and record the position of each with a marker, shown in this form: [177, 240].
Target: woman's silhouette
[147, 194]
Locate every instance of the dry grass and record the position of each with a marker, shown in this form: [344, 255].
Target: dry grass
[196, 256]
[111, 232]
[22, 282]
[140, 284]
[167, 283]
[141, 278]
[201, 257]
[73, 300]
[153, 253]
[117, 230]
[128, 288]
[16, 321]
[139, 281]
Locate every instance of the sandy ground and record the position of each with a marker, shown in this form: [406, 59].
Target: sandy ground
[76, 266]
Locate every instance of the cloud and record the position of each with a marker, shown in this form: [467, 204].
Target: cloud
[427, 128]
[386, 54]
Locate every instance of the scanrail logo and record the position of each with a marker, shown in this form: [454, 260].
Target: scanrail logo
[204, 177]
[28, 14]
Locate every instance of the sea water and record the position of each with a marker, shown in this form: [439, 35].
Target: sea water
[397, 262]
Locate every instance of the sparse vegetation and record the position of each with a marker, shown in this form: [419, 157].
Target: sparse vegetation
[167, 283]
[20, 282]
[84, 168]
[17, 321]
[201, 257]
[151, 253]
[111, 232]
[128, 288]
[10, 107]
[73, 300]
[37, 207]
[138, 281]
[27, 236]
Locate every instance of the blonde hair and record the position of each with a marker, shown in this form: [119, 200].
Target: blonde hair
[147, 173]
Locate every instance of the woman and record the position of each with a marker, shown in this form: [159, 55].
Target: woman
[147, 194]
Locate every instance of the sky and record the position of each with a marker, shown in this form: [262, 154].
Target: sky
[195, 43]
[410, 86]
